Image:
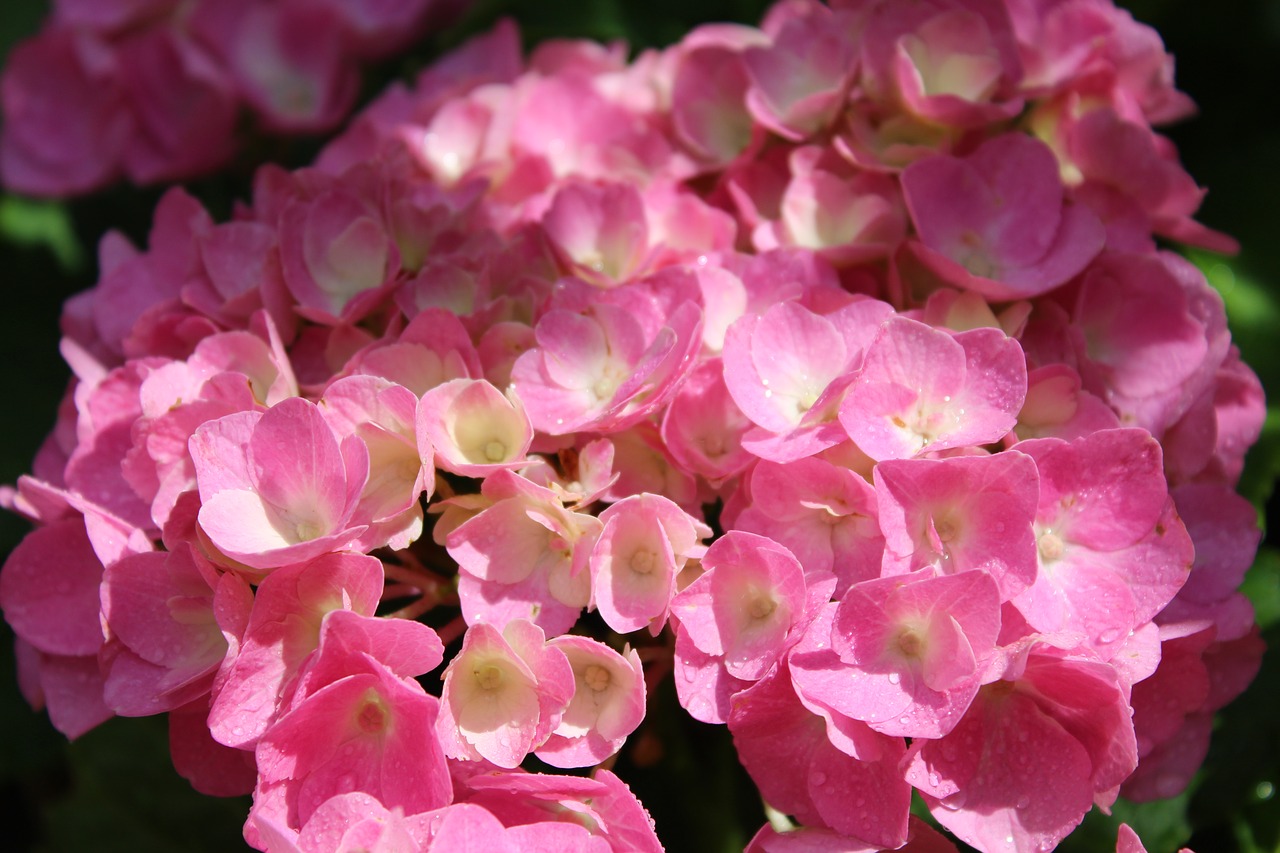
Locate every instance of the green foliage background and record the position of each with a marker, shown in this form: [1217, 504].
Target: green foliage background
[114, 789]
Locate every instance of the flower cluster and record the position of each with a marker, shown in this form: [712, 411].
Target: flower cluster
[154, 89]
[833, 362]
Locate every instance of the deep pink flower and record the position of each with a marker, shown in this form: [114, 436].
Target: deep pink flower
[922, 389]
[913, 650]
[960, 514]
[996, 222]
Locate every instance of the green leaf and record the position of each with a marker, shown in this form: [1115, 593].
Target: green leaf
[27, 222]
[1262, 586]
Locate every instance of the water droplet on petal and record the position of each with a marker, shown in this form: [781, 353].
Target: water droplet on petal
[818, 779]
[893, 678]
[1110, 635]
[699, 708]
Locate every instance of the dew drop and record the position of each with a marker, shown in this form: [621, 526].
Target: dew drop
[934, 779]
[1110, 635]
[894, 678]
[818, 779]
[904, 720]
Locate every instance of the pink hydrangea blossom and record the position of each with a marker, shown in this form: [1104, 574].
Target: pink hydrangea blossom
[1110, 556]
[823, 513]
[608, 703]
[961, 514]
[746, 605]
[261, 510]
[645, 542]
[370, 731]
[915, 649]
[602, 372]
[282, 631]
[924, 390]
[473, 428]
[787, 363]
[996, 221]
[524, 555]
[504, 694]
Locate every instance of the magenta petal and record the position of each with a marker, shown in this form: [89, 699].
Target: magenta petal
[49, 590]
[73, 689]
[1008, 777]
[210, 767]
[406, 648]
[370, 732]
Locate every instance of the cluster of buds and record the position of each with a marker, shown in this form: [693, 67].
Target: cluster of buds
[829, 366]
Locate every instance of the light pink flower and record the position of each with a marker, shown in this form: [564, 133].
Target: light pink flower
[504, 694]
[747, 607]
[602, 372]
[645, 543]
[608, 703]
[473, 428]
[260, 507]
[1112, 551]
[787, 370]
[524, 555]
